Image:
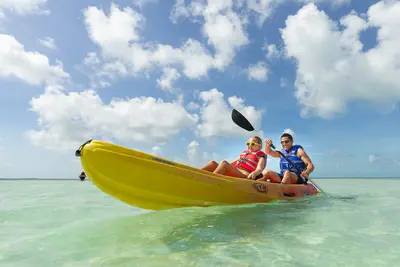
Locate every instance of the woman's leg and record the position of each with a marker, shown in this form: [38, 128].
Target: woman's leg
[210, 166]
[225, 168]
[271, 175]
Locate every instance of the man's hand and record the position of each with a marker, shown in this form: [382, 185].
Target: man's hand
[268, 142]
[305, 174]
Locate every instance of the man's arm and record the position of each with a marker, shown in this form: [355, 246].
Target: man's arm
[306, 159]
[271, 152]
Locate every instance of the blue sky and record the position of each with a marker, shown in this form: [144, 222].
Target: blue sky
[163, 77]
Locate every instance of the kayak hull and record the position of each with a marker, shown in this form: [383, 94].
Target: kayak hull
[150, 182]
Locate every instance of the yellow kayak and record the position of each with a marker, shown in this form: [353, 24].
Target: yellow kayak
[150, 182]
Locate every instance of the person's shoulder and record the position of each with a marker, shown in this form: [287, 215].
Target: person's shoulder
[299, 150]
[261, 153]
[297, 147]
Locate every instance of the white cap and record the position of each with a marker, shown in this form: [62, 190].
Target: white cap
[288, 131]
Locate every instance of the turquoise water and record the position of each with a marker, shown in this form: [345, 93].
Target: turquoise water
[72, 223]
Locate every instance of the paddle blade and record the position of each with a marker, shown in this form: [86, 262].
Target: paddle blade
[241, 121]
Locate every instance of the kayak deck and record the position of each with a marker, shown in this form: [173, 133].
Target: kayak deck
[154, 183]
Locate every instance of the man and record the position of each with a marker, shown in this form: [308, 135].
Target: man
[296, 154]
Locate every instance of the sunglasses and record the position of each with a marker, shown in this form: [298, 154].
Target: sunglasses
[285, 141]
[251, 144]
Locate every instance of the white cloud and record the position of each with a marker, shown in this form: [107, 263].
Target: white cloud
[263, 9]
[91, 59]
[67, 119]
[123, 45]
[224, 28]
[332, 67]
[32, 67]
[216, 115]
[258, 72]
[143, 3]
[192, 151]
[102, 74]
[118, 36]
[198, 158]
[192, 106]
[23, 7]
[156, 150]
[272, 51]
[170, 75]
[48, 42]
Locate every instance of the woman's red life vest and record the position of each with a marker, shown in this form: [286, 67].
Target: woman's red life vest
[249, 160]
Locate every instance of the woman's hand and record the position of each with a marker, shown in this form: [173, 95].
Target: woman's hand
[252, 176]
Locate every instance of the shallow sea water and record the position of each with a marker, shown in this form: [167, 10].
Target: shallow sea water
[72, 223]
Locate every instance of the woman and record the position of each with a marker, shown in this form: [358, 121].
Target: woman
[249, 164]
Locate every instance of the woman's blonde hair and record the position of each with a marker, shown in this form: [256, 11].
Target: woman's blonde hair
[259, 140]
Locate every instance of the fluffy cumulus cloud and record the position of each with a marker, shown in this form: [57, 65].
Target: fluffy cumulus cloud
[192, 151]
[22, 7]
[258, 72]
[170, 75]
[215, 115]
[272, 51]
[224, 28]
[197, 157]
[118, 36]
[124, 52]
[32, 67]
[333, 68]
[263, 9]
[68, 119]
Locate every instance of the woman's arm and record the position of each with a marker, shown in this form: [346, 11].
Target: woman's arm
[260, 167]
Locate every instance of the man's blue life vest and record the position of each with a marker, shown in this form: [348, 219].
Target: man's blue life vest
[292, 156]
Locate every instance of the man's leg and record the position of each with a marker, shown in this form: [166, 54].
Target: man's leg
[289, 178]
